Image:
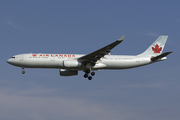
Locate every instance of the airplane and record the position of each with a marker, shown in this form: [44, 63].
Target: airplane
[70, 64]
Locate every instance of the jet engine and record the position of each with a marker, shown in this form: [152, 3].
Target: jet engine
[71, 63]
[64, 72]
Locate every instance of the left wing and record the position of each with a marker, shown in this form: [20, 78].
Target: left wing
[93, 57]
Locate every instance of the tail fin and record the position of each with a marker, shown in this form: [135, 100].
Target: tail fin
[156, 48]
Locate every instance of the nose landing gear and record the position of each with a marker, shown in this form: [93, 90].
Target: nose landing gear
[23, 72]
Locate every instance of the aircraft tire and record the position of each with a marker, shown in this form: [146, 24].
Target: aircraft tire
[93, 73]
[23, 72]
[88, 71]
[85, 75]
[90, 78]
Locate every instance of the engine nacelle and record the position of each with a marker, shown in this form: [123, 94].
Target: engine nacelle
[71, 63]
[64, 72]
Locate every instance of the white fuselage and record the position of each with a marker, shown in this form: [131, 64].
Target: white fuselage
[58, 61]
[70, 64]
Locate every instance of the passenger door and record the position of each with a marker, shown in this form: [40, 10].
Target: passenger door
[21, 57]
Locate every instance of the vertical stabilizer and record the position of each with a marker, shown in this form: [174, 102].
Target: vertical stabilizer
[157, 47]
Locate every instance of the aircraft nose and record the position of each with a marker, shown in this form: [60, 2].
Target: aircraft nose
[8, 61]
[12, 61]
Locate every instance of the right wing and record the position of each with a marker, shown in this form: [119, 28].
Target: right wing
[93, 57]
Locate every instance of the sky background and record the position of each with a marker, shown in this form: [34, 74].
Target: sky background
[80, 26]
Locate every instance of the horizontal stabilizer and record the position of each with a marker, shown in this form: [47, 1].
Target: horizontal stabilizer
[160, 56]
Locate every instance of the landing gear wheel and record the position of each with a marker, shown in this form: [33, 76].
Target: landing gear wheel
[85, 75]
[88, 71]
[90, 78]
[93, 73]
[23, 72]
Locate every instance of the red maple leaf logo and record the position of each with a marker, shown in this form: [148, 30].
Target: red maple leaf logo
[34, 55]
[157, 49]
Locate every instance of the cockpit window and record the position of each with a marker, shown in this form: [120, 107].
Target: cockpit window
[12, 57]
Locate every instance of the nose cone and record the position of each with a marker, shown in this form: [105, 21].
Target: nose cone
[8, 61]
[14, 61]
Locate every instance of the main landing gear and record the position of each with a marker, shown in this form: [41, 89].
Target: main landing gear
[87, 72]
[23, 72]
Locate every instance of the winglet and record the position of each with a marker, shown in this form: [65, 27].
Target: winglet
[122, 38]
